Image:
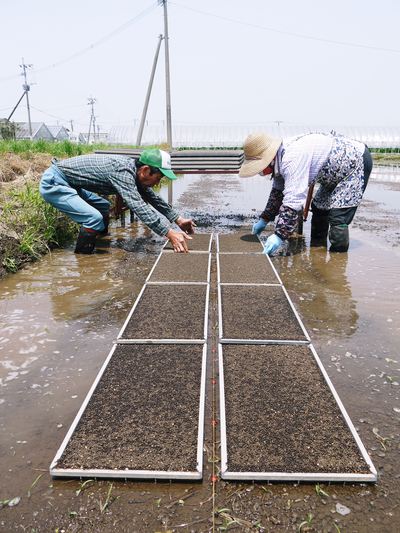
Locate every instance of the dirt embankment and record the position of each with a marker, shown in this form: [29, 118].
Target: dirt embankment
[16, 172]
[17, 168]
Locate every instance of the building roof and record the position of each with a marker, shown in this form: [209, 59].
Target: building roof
[55, 130]
[23, 129]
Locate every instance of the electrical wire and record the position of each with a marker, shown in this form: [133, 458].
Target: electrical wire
[56, 117]
[99, 42]
[49, 114]
[283, 32]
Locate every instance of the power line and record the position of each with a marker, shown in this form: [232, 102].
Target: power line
[291, 34]
[82, 124]
[99, 42]
[47, 112]
[50, 115]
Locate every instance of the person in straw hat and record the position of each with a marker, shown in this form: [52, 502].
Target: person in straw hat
[340, 166]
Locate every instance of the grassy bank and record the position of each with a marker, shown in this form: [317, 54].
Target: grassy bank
[60, 149]
[30, 227]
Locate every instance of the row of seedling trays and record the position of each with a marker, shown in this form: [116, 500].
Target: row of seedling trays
[280, 416]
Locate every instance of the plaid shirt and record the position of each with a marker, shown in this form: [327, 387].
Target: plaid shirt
[116, 174]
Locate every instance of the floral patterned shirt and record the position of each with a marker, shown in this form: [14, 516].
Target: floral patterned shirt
[332, 161]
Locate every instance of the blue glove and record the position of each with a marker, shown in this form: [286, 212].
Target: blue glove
[272, 244]
[259, 226]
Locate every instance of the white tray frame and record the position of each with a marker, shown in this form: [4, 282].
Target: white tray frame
[133, 474]
[226, 474]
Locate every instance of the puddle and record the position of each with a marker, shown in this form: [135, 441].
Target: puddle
[60, 316]
[387, 194]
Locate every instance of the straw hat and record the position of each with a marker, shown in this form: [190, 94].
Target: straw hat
[259, 150]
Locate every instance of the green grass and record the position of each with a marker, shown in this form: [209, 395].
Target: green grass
[385, 150]
[56, 149]
[39, 225]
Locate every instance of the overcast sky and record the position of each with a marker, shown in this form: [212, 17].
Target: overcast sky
[231, 61]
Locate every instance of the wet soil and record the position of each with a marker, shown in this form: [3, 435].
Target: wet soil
[173, 267]
[379, 211]
[143, 414]
[239, 241]
[199, 243]
[168, 312]
[9, 248]
[60, 316]
[246, 268]
[266, 385]
[258, 313]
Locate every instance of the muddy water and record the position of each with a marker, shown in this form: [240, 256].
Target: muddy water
[60, 316]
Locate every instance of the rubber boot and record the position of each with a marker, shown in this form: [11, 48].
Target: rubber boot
[319, 228]
[86, 241]
[106, 222]
[339, 238]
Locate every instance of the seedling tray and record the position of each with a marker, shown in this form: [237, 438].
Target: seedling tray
[240, 241]
[142, 418]
[260, 314]
[281, 418]
[168, 313]
[171, 267]
[200, 242]
[246, 268]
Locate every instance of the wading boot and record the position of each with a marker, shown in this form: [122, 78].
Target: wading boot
[86, 241]
[106, 222]
[339, 238]
[319, 228]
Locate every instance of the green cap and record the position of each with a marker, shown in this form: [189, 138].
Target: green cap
[159, 159]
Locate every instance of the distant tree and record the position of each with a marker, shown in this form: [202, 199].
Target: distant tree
[7, 130]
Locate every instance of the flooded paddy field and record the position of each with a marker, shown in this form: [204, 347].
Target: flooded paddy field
[60, 316]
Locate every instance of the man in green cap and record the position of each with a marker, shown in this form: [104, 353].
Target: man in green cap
[71, 186]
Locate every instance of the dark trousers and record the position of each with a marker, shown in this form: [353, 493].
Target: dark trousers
[336, 221]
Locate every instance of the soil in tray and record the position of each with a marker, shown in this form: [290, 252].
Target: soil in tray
[281, 415]
[143, 414]
[258, 313]
[181, 267]
[169, 312]
[246, 268]
[240, 241]
[200, 242]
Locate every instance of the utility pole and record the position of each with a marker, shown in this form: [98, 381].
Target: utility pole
[167, 76]
[167, 89]
[72, 124]
[146, 102]
[26, 88]
[92, 122]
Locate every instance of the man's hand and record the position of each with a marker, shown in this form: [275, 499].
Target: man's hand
[178, 240]
[186, 224]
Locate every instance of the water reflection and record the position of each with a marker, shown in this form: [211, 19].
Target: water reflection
[84, 283]
[320, 281]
